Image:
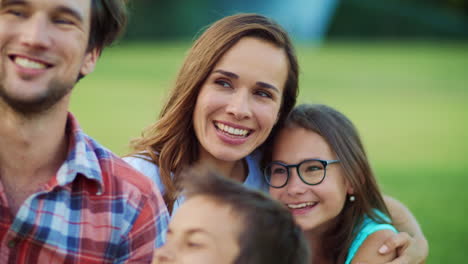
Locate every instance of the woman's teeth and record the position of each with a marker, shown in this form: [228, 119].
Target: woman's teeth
[231, 130]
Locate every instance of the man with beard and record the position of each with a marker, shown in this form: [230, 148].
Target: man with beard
[63, 197]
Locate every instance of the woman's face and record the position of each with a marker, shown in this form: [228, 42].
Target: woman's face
[313, 206]
[202, 231]
[240, 100]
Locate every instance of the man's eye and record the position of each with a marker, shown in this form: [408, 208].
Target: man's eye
[16, 12]
[263, 94]
[63, 21]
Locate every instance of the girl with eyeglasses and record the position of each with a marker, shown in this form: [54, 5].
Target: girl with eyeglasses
[320, 171]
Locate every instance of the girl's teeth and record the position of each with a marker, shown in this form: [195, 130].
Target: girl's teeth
[29, 63]
[302, 205]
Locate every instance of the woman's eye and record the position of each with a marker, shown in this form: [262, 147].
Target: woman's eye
[223, 83]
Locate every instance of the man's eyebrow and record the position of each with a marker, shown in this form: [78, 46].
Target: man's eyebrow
[268, 86]
[229, 74]
[60, 9]
[5, 3]
[69, 11]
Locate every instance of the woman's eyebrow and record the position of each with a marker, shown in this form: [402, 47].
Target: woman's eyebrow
[227, 73]
[235, 76]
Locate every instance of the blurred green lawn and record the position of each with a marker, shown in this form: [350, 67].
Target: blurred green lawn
[409, 101]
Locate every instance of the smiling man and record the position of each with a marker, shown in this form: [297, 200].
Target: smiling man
[63, 197]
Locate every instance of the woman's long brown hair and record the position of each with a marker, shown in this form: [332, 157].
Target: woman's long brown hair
[171, 143]
[343, 138]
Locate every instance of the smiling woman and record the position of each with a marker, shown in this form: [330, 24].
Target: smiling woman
[235, 110]
[238, 81]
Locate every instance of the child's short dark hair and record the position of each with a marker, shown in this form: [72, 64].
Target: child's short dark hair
[269, 235]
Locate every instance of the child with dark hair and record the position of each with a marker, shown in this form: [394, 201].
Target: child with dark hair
[222, 221]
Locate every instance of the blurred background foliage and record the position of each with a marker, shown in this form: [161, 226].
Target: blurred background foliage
[397, 68]
[181, 19]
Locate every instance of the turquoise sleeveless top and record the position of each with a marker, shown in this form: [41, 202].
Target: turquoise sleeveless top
[364, 230]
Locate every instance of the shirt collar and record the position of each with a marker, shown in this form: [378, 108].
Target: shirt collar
[82, 157]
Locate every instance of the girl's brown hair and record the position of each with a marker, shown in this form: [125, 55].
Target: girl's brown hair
[171, 142]
[343, 138]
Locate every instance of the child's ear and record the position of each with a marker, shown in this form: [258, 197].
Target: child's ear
[349, 188]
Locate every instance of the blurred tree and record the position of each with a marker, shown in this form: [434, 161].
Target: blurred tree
[163, 19]
[182, 19]
[459, 6]
[398, 19]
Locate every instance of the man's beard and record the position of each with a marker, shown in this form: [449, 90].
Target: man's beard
[39, 104]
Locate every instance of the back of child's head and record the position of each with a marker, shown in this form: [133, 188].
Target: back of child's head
[270, 234]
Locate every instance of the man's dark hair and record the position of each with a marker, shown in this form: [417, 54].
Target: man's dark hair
[269, 233]
[108, 21]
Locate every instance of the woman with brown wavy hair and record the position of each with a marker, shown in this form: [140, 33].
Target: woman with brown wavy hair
[243, 67]
[237, 84]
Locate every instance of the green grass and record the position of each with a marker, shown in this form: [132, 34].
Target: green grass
[409, 101]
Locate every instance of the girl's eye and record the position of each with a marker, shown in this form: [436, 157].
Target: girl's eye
[279, 171]
[313, 168]
[223, 83]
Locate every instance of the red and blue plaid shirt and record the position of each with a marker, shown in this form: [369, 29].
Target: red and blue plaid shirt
[97, 209]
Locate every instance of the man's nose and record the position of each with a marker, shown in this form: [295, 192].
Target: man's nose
[36, 32]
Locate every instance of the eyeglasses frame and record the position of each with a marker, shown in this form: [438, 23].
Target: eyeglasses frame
[325, 164]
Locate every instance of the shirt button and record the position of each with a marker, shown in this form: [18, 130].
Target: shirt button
[12, 243]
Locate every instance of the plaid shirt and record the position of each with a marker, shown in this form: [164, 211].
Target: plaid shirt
[97, 209]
